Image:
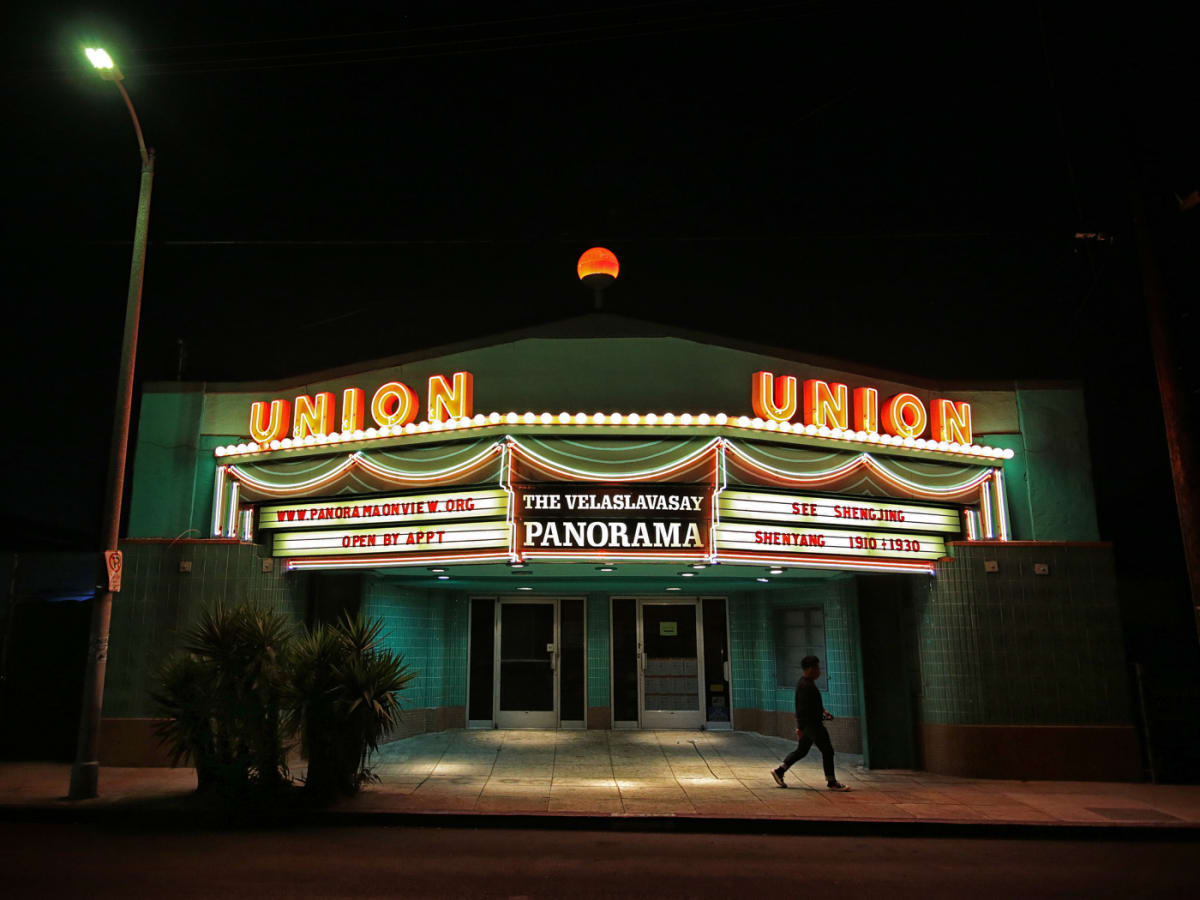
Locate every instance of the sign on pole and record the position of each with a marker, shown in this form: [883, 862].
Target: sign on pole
[112, 565]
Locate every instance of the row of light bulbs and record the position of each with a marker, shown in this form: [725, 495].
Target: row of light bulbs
[565, 418]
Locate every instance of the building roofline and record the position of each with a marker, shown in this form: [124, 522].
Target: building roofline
[592, 326]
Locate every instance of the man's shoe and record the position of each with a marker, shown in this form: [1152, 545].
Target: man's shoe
[778, 776]
[837, 786]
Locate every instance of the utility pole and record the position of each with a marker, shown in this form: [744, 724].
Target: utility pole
[1180, 444]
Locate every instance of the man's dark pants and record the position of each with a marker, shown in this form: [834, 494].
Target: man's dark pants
[814, 734]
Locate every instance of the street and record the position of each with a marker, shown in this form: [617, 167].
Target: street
[69, 860]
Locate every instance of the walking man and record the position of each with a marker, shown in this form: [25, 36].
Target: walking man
[810, 726]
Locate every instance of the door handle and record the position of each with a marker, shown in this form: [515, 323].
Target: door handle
[725, 670]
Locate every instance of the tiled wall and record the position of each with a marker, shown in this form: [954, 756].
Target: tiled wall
[1014, 647]
[430, 629]
[598, 630]
[753, 645]
[158, 603]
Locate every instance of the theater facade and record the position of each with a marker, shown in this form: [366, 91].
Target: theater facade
[603, 524]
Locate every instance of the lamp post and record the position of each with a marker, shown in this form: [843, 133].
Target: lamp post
[85, 772]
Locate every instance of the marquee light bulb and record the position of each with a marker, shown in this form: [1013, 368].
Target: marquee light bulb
[721, 418]
[545, 418]
[651, 418]
[615, 419]
[703, 418]
[668, 418]
[580, 418]
[634, 418]
[494, 418]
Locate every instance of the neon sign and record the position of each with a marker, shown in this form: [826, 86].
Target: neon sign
[786, 541]
[827, 405]
[446, 506]
[781, 403]
[584, 520]
[445, 538]
[393, 404]
[763, 506]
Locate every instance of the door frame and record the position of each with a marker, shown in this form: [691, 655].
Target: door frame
[671, 719]
[524, 718]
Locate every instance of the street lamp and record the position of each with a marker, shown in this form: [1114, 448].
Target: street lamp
[85, 772]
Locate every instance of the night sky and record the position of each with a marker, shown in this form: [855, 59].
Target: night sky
[891, 183]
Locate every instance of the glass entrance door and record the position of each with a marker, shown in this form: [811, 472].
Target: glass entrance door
[526, 664]
[671, 647]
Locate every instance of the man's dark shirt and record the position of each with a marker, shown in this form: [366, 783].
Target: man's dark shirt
[810, 711]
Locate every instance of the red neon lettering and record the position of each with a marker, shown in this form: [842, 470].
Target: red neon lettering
[269, 422]
[773, 401]
[826, 404]
[446, 402]
[866, 409]
[352, 409]
[904, 416]
[951, 421]
[394, 404]
[313, 415]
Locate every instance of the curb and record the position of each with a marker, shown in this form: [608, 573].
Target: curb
[242, 819]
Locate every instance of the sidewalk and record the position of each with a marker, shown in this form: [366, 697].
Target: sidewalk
[719, 776]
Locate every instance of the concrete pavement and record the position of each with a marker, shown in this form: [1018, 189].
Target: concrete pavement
[671, 774]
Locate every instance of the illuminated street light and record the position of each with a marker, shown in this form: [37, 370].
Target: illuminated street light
[86, 770]
[104, 63]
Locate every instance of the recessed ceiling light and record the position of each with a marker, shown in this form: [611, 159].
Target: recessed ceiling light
[437, 570]
[443, 578]
[687, 574]
[516, 565]
[672, 589]
[524, 588]
[699, 566]
[605, 569]
[762, 579]
[775, 571]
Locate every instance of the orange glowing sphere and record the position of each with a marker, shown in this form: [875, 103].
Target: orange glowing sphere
[598, 261]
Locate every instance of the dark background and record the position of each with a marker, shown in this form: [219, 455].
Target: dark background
[897, 184]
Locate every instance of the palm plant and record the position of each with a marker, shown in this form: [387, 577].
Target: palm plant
[345, 687]
[224, 695]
